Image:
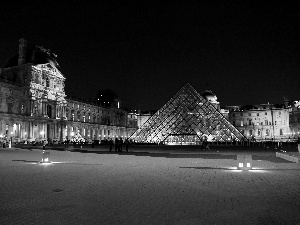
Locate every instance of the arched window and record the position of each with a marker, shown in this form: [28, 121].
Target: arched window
[250, 132]
[47, 82]
[267, 132]
[49, 111]
[78, 115]
[281, 132]
[37, 79]
[68, 114]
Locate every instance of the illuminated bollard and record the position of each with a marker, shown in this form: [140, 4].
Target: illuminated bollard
[46, 157]
[244, 162]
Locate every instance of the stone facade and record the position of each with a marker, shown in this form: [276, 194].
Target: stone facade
[294, 114]
[263, 123]
[34, 105]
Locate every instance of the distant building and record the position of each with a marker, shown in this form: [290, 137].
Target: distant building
[261, 122]
[143, 116]
[34, 106]
[132, 120]
[294, 114]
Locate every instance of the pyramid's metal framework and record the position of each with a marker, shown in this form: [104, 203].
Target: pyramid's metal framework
[185, 119]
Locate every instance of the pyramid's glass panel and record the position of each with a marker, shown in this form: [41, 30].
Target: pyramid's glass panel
[185, 119]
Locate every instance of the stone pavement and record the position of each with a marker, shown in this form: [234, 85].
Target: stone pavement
[93, 186]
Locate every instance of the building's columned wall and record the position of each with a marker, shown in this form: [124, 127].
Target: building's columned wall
[294, 115]
[34, 107]
[97, 123]
[263, 124]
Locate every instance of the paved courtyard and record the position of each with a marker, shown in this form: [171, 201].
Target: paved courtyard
[94, 186]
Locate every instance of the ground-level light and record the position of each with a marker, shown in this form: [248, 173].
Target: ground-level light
[244, 162]
[46, 157]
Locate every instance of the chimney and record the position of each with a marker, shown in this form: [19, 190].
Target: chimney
[22, 51]
[286, 102]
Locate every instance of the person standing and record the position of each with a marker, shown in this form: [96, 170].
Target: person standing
[204, 144]
[120, 145]
[126, 144]
[116, 144]
[111, 143]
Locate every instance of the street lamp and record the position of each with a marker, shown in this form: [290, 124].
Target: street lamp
[72, 135]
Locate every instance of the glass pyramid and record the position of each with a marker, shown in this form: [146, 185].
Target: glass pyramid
[187, 118]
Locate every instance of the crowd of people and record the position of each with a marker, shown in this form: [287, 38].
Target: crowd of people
[118, 143]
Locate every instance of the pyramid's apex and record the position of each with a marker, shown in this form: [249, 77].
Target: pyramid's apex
[187, 84]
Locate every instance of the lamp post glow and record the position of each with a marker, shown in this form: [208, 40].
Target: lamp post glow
[10, 142]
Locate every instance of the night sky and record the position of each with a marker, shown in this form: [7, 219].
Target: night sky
[244, 53]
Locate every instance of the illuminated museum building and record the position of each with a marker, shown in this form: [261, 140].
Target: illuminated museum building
[267, 122]
[34, 106]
